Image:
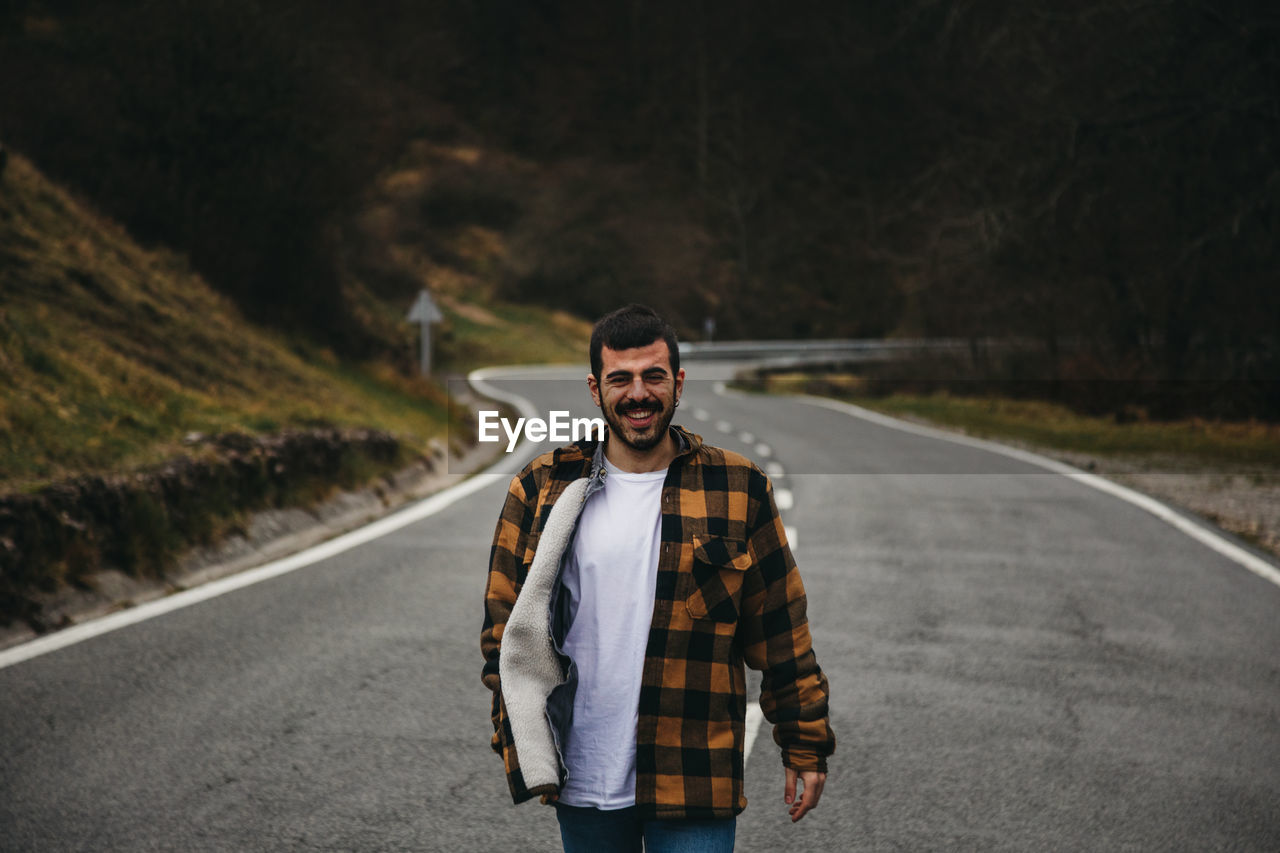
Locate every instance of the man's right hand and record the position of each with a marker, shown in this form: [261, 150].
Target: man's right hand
[811, 784]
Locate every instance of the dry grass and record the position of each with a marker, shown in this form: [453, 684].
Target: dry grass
[1045, 424]
[111, 353]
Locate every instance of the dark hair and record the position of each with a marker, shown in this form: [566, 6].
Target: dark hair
[629, 327]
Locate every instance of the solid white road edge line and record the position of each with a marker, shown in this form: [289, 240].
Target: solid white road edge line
[477, 380]
[1209, 538]
[383, 526]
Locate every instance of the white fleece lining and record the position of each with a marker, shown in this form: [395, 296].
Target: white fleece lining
[527, 665]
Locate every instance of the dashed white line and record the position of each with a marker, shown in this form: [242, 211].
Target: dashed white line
[793, 536]
[746, 438]
[701, 414]
[763, 449]
[724, 426]
[774, 469]
[784, 499]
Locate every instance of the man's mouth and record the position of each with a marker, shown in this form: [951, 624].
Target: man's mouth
[640, 418]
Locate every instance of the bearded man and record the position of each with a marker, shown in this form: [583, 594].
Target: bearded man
[630, 580]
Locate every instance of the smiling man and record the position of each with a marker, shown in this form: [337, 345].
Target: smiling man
[630, 580]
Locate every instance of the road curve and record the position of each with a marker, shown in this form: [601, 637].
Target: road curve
[1017, 662]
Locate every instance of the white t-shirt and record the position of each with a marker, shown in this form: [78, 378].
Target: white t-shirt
[610, 577]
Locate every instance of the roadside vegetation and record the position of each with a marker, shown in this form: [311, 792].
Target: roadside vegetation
[1054, 425]
[1047, 424]
[113, 355]
[142, 414]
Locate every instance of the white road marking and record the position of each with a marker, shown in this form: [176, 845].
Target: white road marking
[774, 469]
[505, 467]
[724, 426]
[150, 610]
[701, 414]
[746, 438]
[763, 449]
[784, 499]
[793, 536]
[752, 728]
[1209, 538]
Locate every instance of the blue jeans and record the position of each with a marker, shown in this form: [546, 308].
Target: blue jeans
[586, 830]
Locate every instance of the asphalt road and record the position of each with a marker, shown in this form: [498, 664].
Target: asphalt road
[1017, 662]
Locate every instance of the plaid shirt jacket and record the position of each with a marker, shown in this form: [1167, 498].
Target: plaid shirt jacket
[727, 592]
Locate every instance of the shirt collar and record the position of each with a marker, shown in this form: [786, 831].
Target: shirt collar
[688, 443]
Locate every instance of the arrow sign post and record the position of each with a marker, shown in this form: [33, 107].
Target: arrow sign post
[424, 312]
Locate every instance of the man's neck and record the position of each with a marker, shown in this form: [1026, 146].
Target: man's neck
[627, 458]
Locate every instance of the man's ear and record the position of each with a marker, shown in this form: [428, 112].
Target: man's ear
[594, 388]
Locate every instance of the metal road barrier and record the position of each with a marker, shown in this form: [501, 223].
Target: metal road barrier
[782, 354]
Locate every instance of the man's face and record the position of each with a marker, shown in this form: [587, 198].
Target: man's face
[637, 393]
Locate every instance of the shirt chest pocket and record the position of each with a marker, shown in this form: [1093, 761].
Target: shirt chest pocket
[714, 583]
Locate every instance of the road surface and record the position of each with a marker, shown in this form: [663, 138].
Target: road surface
[1017, 662]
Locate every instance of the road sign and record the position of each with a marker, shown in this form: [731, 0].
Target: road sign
[424, 312]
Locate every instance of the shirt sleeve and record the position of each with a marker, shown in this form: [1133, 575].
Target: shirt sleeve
[505, 577]
[794, 692]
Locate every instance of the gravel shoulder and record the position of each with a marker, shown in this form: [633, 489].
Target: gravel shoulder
[1241, 499]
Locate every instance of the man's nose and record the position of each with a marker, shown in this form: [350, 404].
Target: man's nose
[637, 390]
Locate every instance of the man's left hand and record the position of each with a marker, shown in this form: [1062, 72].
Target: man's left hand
[811, 782]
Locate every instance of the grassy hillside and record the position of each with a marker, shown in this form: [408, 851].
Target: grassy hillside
[141, 414]
[111, 354]
[444, 217]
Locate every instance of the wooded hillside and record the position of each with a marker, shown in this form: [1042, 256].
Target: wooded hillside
[1101, 177]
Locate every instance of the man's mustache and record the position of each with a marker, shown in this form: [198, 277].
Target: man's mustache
[624, 408]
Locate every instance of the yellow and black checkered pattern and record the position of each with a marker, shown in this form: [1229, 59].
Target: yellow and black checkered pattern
[728, 593]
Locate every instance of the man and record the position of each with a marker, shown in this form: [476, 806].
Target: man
[629, 581]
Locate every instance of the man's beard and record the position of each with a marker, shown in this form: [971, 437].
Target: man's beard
[627, 434]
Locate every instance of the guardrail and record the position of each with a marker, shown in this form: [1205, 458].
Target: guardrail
[851, 349]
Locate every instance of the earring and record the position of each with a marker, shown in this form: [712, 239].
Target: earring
[677, 405]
